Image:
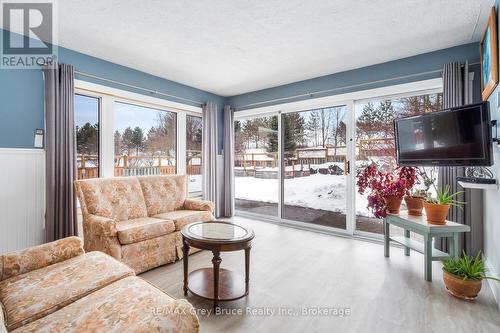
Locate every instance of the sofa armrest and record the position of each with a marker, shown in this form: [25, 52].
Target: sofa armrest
[36, 257]
[100, 226]
[204, 205]
[184, 314]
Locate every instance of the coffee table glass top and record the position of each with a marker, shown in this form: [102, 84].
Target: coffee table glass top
[218, 231]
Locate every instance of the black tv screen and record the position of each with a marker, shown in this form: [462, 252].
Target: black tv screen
[458, 136]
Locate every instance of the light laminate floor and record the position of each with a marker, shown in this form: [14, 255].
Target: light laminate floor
[294, 271]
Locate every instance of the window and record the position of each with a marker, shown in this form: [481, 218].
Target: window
[145, 140]
[87, 136]
[375, 142]
[194, 126]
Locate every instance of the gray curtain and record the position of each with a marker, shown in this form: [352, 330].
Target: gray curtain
[210, 154]
[457, 92]
[227, 204]
[60, 168]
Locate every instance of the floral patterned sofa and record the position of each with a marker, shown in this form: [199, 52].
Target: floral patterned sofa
[137, 220]
[57, 287]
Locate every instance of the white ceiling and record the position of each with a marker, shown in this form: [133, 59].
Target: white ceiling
[233, 47]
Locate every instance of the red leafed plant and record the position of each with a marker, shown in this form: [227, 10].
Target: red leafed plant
[380, 184]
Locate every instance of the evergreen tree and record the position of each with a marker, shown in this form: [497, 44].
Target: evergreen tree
[272, 139]
[138, 139]
[127, 140]
[313, 126]
[87, 139]
[367, 122]
[118, 143]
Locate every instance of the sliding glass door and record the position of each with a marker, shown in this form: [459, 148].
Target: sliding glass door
[300, 166]
[256, 171]
[316, 166]
[295, 166]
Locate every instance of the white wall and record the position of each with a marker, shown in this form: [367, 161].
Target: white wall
[22, 198]
[491, 211]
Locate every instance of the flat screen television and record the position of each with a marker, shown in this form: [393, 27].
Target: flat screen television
[459, 136]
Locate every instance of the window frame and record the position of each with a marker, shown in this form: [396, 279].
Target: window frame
[108, 96]
[196, 194]
[99, 134]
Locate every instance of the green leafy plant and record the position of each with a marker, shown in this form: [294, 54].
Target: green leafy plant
[467, 267]
[444, 197]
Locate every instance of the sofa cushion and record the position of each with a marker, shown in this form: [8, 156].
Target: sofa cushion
[118, 198]
[183, 217]
[136, 230]
[128, 305]
[35, 294]
[163, 193]
[151, 253]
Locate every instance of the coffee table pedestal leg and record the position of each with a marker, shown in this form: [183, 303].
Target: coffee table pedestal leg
[185, 256]
[247, 269]
[216, 263]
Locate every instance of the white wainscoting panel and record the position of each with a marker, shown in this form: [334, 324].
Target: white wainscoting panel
[22, 198]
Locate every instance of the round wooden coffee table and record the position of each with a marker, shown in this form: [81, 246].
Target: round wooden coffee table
[216, 284]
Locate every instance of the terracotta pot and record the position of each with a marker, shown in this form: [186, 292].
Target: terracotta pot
[393, 204]
[414, 205]
[460, 288]
[436, 214]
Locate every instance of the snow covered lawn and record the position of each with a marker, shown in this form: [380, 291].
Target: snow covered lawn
[326, 192]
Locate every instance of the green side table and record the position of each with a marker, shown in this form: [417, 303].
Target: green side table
[419, 225]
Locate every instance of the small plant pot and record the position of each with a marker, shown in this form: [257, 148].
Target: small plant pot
[393, 204]
[414, 205]
[436, 214]
[460, 288]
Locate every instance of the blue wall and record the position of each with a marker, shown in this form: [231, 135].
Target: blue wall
[400, 71]
[22, 100]
[21, 91]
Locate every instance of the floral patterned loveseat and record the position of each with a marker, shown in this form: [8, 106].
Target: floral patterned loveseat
[137, 220]
[57, 287]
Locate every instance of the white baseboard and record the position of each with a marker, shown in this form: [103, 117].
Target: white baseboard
[494, 285]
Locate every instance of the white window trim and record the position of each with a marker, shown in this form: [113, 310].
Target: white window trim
[108, 96]
[405, 89]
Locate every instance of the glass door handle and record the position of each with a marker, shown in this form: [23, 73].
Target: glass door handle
[348, 167]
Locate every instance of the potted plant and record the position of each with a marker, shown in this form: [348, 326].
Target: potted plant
[437, 208]
[386, 189]
[415, 202]
[463, 276]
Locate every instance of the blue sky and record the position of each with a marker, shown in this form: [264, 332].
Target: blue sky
[86, 110]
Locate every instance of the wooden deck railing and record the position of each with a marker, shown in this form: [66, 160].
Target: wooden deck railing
[84, 171]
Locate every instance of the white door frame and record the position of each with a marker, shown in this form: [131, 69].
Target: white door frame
[351, 152]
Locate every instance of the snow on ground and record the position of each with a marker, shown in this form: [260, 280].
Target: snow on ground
[326, 192]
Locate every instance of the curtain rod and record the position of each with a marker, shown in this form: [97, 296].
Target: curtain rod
[151, 91]
[311, 94]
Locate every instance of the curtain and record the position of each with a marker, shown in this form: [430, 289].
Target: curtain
[60, 164]
[209, 138]
[228, 189]
[457, 92]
